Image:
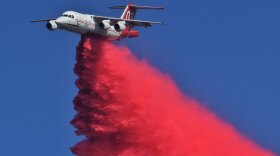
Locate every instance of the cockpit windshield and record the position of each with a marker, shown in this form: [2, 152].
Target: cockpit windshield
[66, 15]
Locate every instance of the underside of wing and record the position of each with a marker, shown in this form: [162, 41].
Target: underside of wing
[131, 22]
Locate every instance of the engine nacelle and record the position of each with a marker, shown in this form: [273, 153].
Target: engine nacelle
[51, 25]
[119, 26]
[133, 33]
[104, 25]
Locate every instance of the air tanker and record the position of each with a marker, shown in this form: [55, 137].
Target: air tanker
[110, 28]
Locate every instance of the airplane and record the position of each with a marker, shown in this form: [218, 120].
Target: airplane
[109, 27]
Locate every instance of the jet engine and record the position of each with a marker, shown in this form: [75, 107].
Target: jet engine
[51, 25]
[119, 26]
[104, 25]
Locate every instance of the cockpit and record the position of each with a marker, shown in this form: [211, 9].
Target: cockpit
[66, 15]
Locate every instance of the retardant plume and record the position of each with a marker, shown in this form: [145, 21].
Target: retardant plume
[126, 107]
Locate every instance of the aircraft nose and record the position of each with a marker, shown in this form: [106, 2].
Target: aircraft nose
[60, 21]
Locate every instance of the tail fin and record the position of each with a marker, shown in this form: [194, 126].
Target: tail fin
[130, 10]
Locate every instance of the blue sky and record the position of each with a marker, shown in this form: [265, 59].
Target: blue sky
[225, 54]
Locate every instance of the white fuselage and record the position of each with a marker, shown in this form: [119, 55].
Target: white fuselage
[83, 24]
[111, 28]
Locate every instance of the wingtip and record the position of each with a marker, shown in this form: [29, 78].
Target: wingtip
[161, 23]
[160, 8]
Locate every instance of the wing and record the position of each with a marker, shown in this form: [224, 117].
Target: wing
[43, 20]
[131, 22]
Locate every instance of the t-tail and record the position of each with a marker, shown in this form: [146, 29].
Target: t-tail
[130, 10]
[129, 14]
